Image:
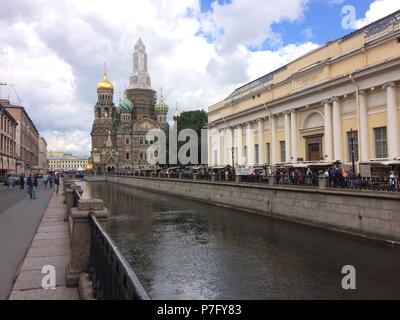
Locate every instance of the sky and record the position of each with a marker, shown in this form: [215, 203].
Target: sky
[52, 52]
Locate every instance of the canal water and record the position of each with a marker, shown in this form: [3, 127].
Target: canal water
[184, 249]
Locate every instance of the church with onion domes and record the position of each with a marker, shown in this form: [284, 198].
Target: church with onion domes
[119, 131]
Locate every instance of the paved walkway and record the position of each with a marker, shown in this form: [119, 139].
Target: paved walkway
[50, 246]
[19, 220]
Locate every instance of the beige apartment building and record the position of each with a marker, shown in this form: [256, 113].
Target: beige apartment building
[27, 139]
[8, 131]
[43, 163]
[304, 112]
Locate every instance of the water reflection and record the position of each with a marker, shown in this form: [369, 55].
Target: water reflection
[183, 249]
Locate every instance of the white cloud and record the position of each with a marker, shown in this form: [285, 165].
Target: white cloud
[377, 10]
[53, 51]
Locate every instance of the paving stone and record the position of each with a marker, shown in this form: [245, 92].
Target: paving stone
[60, 293]
[49, 251]
[33, 263]
[32, 279]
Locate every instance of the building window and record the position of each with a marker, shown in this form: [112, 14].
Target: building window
[127, 141]
[245, 154]
[283, 151]
[380, 142]
[355, 145]
[127, 156]
[215, 157]
[268, 150]
[141, 140]
[257, 157]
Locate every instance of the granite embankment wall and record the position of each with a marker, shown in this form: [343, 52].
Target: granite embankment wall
[367, 214]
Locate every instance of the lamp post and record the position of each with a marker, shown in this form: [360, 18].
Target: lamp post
[352, 137]
[233, 157]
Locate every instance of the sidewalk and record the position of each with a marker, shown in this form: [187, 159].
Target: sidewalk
[50, 246]
[19, 220]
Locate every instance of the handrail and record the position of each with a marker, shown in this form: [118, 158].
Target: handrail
[112, 276]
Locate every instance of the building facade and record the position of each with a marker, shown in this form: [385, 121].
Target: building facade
[43, 164]
[308, 110]
[119, 132]
[8, 132]
[64, 161]
[27, 139]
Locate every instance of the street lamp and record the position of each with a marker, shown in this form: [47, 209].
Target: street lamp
[233, 157]
[352, 137]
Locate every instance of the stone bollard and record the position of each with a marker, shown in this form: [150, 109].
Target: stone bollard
[213, 178]
[237, 179]
[180, 175]
[80, 237]
[194, 176]
[69, 200]
[322, 181]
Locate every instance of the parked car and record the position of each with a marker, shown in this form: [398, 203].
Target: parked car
[14, 178]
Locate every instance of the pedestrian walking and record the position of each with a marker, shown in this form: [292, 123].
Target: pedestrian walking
[35, 185]
[45, 177]
[57, 182]
[392, 181]
[22, 182]
[29, 184]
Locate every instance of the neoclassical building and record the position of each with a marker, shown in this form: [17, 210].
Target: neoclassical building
[119, 132]
[305, 111]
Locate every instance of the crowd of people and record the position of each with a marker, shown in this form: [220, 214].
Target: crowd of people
[337, 175]
[31, 181]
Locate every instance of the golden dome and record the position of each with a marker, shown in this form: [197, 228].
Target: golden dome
[105, 84]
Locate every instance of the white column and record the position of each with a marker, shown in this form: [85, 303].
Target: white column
[363, 133]
[250, 144]
[239, 160]
[273, 138]
[287, 137]
[293, 132]
[218, 137]
[392, 121]
[222, 146]
[261, 142]
[230, 145]
[337, 129]
[328, 130]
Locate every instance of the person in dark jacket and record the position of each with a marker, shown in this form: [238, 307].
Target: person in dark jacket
[57, 182]
[22, 182]
[29, 184]
[35, 185]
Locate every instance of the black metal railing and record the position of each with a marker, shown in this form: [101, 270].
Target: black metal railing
[76, 196]
[368, 184]
[111, 274]
[358, 183]
[292, 180]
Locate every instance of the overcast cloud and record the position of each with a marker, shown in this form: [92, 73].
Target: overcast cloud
[53, 52]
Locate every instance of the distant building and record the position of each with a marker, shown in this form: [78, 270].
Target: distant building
[27, 139]
[63, 161]
[8, 131]
[334, 102]
[119, 132]
[43, 164]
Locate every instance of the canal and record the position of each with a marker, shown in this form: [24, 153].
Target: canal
[184, 249]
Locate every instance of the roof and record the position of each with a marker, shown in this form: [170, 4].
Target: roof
[371, 29]
[4, 110]
[10, 106]
[68, 158]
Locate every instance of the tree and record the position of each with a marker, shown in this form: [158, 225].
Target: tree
[195, 120]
